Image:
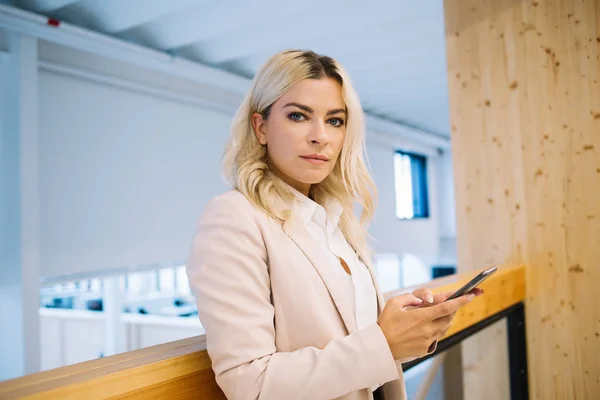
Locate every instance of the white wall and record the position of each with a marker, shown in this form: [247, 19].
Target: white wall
[124, 175]
[419, 236]
[128, 159]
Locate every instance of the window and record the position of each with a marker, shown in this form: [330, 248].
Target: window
[166, 279]
[142, 282]
[181, 280]
[410, 173]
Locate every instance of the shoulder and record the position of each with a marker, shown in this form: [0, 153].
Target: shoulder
[232, 200]
[226, 231]
[230, 206]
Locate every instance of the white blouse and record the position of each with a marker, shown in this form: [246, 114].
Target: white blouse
[323, 227]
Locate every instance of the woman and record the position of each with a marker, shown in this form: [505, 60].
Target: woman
[280, 266]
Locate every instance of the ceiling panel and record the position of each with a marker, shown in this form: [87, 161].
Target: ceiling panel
[45, 6]
[302, 30]
[211, 21]
[392, 36]
[114, 16]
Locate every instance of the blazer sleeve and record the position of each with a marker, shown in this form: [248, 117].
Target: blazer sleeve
[228, 273]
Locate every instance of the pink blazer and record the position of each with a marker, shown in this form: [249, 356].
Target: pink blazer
[279, 323]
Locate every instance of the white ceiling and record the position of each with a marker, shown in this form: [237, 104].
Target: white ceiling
[394, 50]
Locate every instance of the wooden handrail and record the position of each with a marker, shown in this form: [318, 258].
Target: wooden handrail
[182, 369]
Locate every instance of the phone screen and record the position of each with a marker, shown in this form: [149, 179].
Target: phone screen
[472, 284]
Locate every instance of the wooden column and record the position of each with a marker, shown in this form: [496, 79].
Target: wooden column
[524, 83]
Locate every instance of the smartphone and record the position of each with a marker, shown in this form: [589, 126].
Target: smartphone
[472, 284]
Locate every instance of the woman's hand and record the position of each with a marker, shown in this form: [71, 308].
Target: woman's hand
[430, 299]
[410, 325]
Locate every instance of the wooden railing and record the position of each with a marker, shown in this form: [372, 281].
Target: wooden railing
[182, 369]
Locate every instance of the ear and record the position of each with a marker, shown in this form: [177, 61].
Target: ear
[259, 125]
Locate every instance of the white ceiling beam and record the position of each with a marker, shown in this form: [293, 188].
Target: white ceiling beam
[81, 39]
[44, 6]
[208, 99]
[306, 29]
[240, 69]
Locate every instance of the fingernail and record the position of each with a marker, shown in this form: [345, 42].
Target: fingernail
[470, 297]
[429, 298]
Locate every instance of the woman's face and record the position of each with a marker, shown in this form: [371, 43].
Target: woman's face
[304, 132]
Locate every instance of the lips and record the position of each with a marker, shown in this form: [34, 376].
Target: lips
[318, 157]
[315, 160]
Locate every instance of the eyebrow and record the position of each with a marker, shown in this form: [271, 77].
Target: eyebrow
[310, 110]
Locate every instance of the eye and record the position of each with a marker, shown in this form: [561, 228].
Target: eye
[296, 116]
[337, 122]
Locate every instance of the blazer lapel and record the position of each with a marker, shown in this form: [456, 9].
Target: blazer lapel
[295, 230]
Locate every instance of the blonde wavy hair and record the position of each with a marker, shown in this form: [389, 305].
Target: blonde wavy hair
[246, 165]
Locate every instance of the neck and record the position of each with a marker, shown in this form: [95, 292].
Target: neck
[301, 187]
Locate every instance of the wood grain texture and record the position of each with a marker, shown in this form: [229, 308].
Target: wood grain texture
[182, 369]
[524, 84]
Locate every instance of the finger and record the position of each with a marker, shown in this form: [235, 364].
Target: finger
[406, 300]
[441, 297]
[424, 294]
[450, 306]
[476, 292]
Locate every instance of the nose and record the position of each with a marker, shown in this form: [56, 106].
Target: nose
[318, 134]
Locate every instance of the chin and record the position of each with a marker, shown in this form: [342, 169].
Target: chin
[312, 179]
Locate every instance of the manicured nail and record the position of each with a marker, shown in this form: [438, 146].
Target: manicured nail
[429, 298]
[470, 297]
